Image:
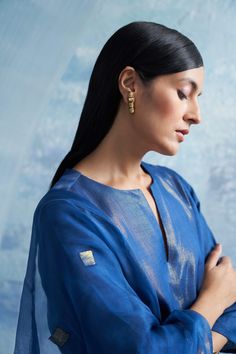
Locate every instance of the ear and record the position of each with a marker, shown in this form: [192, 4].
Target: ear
[127, 81]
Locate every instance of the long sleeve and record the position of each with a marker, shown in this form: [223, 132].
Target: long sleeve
[226, 323]
[91, 305]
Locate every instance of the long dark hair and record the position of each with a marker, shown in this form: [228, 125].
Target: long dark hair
[151, 49]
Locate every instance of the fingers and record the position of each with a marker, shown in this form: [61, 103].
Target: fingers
[225, 260]
[213, 257]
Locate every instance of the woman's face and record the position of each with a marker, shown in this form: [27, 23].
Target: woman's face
[167, 104]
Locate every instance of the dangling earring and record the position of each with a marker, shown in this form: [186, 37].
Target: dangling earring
[131, 100]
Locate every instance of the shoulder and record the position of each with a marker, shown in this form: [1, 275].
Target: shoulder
[57, 204]
[169, 175]
[172, 180]
[64, 216]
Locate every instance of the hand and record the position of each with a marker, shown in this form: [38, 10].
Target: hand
[218, 290]
[220, 279]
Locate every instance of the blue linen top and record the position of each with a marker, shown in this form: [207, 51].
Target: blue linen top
[99, 280]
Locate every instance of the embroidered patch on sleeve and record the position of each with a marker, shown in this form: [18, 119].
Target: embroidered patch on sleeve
[59, 337]
[87, 257]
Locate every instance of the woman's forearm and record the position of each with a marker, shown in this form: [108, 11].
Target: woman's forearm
[211, 313]
[218, 341]
[204, 306]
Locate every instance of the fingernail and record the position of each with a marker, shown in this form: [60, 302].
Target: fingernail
[219, 246]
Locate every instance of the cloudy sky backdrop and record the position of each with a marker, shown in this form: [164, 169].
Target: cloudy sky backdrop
[48, 48]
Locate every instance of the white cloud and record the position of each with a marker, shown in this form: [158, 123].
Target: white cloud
[86, 54]
[71, 92]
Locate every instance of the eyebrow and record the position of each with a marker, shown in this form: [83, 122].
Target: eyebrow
[192, 82]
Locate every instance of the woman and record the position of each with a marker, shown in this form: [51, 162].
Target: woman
[121, 258]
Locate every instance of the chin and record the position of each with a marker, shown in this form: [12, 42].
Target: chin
[168, 148]
[167, 152]
[171, 153]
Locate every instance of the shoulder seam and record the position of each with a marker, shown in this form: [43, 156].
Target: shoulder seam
[104, 217]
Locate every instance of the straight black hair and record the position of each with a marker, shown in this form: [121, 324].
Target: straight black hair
[151, 49]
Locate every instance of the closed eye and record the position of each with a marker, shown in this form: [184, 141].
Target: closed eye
[181, 95]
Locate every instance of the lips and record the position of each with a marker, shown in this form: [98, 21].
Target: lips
[181, 132]
[184, 131]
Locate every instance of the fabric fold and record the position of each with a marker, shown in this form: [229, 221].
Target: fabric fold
[97, 278]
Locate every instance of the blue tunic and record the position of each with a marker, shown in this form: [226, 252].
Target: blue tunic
[99, 279]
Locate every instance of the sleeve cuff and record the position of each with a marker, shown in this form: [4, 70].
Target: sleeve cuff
[197, 325]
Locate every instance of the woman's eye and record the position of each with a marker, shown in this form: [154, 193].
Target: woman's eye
[181, 95]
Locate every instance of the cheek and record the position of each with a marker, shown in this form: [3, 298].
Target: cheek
[165, 106]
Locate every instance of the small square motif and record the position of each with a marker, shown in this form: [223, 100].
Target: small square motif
[59, 337]
[87, 257]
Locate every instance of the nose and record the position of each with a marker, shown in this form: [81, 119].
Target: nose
[193, 113]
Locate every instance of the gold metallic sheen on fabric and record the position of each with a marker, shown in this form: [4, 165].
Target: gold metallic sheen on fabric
[168, 185]
[87, 257]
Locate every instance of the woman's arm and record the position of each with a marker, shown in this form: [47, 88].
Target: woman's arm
[226, 323]
[99, 302]
[204, 309]
[218, 341]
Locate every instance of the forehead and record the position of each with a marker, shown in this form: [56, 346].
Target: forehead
[192, 77]
[196, 74]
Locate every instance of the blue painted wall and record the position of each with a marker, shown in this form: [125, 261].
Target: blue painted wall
[48, 48]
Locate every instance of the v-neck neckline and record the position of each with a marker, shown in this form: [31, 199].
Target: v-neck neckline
[153, 187]
[102, 185]
[157, 197]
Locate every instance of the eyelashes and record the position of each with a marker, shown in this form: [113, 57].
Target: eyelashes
[181, 95]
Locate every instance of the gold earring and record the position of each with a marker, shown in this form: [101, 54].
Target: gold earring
[131, 100]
